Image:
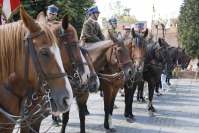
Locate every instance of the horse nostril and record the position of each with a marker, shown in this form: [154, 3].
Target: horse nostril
[130, 72]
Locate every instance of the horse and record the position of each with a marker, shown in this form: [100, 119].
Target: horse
[136, 47]
[92, 83]
[157, 56]
[29, 49]
[113, 64]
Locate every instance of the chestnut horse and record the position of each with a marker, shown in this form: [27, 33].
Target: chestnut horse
[67, 39]
[136, 47]
[29, 49]
[113, 64]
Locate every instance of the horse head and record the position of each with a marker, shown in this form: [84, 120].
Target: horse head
[38, 62]
[136, 47]
[122, 58]
[73, 60]
[183, 58]
[163, 54]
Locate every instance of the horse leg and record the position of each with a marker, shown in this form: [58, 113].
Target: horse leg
[81, 102]
[65, 118]
[151, 92]
[141, 89]
[129, 93]
[6, 128]
[107, 108]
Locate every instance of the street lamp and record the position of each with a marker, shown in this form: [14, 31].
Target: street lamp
[156, 23]
[163, 24]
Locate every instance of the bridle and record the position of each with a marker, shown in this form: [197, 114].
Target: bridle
[77, 85]
[120, 65]
[42, 82]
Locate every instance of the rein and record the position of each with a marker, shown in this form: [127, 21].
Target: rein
[77, 85]
[30, 50]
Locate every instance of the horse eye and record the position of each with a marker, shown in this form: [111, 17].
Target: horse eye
[44, 53]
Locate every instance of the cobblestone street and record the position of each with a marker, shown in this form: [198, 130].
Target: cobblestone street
[177, 112]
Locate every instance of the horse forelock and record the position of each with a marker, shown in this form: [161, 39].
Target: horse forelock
[11, 48]
[51, 37]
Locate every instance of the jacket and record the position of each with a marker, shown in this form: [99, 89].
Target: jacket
[91, 31]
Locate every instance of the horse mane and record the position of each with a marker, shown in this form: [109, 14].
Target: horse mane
[12, 46]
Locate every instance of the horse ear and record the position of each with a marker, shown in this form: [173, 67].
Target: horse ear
[65, 21]
[28, 21]
[160, 42]
[146, 33]
[113, 38]
[133, 33]
[41, 17]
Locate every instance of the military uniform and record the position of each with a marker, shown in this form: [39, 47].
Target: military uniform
[91, 31]
[125, 38]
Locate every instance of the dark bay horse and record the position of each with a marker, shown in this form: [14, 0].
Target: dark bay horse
[113, 64]
[29, 49]
[91, 84]
[41, 46]
[136, 47]
[157, 56]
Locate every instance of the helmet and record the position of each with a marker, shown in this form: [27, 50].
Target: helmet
[113, 20]
[52, 9]
[93, 9]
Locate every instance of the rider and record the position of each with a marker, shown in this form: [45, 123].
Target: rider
[126, 34]
[51, 13]
[113, 28]
[91, 29]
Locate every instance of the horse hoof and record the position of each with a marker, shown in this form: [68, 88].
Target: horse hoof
[87, 112]
[143, 100]
[151, 114]
[153, 110]
[114, 106]
[129, 119]
[112, 130]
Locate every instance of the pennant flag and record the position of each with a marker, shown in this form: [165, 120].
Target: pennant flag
[10, 7]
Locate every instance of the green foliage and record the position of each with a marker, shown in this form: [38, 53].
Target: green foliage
[188, 27]
[120, 12]
[75, 8]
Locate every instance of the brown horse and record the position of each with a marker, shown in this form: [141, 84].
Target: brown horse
[29, 49]
[112, 62]
[136, 47]
[70, 49]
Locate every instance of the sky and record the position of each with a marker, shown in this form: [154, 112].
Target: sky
[143, 9]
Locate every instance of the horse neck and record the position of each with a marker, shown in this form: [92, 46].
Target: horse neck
[98, 51]
[16, 84]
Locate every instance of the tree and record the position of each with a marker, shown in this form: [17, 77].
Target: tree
[188, 27]
[120, 12]
[75, 8]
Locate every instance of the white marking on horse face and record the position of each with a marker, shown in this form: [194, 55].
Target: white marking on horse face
[98, 82]
[110, 121]
[55, 50]
[87, 70]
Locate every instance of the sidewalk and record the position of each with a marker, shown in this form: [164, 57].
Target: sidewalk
[177, 112]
